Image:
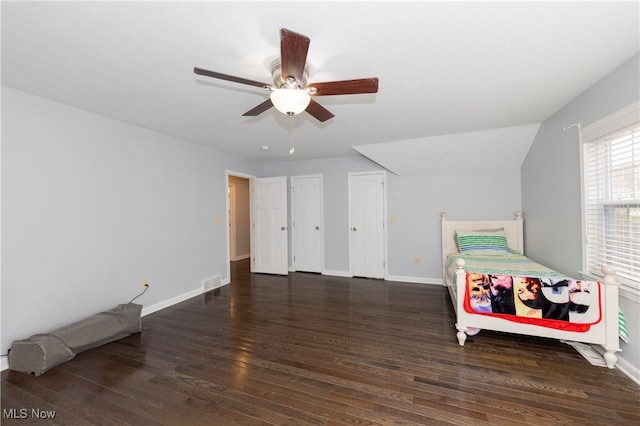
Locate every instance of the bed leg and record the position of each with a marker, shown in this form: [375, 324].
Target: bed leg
[461, 335]
[610, 358]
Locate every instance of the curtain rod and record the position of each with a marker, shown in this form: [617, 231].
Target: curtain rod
[573, 125]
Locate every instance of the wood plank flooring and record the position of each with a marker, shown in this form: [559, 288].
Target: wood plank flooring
[309, 349]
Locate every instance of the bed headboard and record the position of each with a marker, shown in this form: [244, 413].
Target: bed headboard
[512, 229]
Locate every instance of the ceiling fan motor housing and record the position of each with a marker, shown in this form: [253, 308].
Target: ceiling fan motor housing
[279, 82]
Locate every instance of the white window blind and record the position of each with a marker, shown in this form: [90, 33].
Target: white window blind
[612, 202]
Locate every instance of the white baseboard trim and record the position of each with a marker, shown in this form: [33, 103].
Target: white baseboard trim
[416, 280]
[337, 273]
[399, 278]
[628, 370]
[241, 257]
[181, 298]
[4, 363]
[170, 302]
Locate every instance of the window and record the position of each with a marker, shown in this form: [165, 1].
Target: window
[611, 168]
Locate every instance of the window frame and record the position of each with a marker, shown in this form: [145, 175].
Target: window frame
[616, 122]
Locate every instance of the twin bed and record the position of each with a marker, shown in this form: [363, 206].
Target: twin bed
[493, 286]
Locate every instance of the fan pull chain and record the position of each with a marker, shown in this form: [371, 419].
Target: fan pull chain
[291, 150]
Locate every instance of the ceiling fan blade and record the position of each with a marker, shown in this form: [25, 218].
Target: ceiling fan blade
[228, 77]
[345, 87]
[293, 54]
[259, 109]
[318, 111]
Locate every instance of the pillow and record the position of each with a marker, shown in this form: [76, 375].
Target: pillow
[482, 242]
[455, 235]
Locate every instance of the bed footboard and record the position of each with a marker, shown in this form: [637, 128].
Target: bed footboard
[459, 285]
[604, 333]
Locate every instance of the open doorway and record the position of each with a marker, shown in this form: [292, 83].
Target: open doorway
[239, 219]
[265, 205]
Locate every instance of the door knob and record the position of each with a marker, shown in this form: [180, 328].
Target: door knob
[354, 229]
[284, 228]
[317, 228]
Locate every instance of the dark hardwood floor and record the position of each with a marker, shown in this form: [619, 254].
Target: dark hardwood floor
[313, 349]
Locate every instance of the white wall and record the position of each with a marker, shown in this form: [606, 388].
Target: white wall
[416, 202]
[551, 186]
[92, 206]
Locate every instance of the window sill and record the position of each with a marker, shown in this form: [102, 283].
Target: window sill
[625, 290]
[630, 293]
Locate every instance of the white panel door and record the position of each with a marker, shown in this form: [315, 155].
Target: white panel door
[269, 248]
[307, 223]
[366, 201]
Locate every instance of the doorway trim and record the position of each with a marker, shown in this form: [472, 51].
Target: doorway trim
[228, 173]
[232, 220]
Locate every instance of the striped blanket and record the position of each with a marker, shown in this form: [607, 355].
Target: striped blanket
[512, 263]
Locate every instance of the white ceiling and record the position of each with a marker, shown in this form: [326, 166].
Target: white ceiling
[450, 73]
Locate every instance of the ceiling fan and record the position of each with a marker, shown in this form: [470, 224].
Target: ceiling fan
[290, 92]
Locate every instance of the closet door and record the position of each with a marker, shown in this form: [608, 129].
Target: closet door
[308, 229]
[367, 240]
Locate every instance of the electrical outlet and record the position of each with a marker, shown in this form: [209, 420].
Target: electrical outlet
[146, 282]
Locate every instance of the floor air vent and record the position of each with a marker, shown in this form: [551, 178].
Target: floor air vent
[212, 283]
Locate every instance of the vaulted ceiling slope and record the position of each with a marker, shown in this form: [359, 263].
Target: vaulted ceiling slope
[445, 69]
[495, 150]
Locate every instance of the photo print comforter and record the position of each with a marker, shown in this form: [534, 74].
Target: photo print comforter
[515, 288]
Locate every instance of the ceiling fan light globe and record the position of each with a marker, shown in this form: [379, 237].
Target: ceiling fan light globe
[290, 101]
